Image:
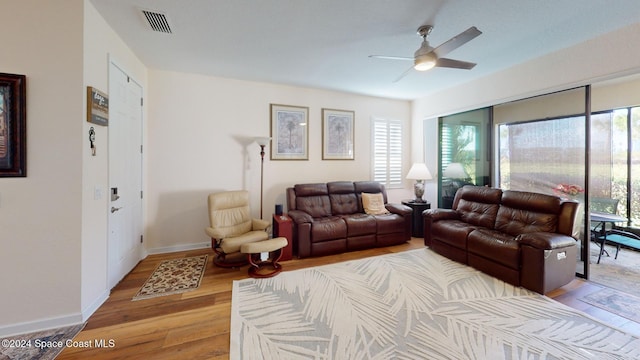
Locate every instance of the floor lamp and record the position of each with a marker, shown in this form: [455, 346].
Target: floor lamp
[262, 141]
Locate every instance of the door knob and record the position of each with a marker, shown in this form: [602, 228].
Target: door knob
[114, 209]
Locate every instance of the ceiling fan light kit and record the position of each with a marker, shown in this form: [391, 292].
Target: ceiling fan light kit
[427, 57]
[424, 63]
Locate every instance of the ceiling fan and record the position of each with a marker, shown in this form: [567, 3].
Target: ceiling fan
[427, 57]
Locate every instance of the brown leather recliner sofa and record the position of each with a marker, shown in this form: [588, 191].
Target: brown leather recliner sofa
[329, 218]
[520, 237]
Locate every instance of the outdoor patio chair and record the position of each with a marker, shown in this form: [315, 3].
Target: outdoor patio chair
[619, 238]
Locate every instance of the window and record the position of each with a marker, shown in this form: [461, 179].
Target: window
[387, 152]
[544, 156]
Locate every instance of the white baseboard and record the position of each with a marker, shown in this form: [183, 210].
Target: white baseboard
[40, 325]
[79, 318]
[53, 323]
[176, 248]
[88, 311]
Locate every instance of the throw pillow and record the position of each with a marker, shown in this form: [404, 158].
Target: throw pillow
[373, 204]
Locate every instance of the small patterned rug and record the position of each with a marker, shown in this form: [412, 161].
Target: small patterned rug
[42, 345]
[174, 276]
[615, 301]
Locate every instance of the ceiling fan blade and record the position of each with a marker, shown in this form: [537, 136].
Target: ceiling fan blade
[457, 41]
[403, 75]
[456, 64]
[390, 57]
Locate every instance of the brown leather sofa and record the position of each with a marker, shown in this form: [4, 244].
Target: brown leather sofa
[522, 238]
[329, 218]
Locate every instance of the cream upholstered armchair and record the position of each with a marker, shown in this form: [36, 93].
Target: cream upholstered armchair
[231, 226]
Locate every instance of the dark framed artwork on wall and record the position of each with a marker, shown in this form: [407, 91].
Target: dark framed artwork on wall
[13, 130]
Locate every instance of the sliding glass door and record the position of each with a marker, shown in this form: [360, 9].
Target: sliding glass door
[465, 156]
[615, 170]
[542, 145]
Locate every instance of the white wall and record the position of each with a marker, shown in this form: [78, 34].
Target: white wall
[53, 231]
[40, 215]
[201, 140]
[101, 44]
[613, 55]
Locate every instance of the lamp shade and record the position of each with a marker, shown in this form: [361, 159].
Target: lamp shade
[263, 141]
[419, 171]
[455, 171]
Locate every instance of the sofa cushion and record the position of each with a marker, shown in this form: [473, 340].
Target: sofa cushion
[496, 246]
[373, 204]
[343, 203]
[515, 221]
[342, 197]
[525, 212]
[328, 228]
[312, 199]
[389, 224]
[311, 189]
[360, 224]
[479, 214]
[478, 205]
[535, 202]
[316, 206]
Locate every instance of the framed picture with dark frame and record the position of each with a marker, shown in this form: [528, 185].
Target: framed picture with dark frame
[289, 132]
[337, 134]
[13, 130]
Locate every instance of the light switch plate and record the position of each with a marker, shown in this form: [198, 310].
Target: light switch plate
[97, 193]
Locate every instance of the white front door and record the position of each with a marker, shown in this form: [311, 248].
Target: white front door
[125, 174]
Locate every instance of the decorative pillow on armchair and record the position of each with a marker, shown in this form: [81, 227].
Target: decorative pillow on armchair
[373, 204]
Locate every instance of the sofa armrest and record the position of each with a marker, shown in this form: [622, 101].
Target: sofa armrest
[399, 209]
[545, 240]
[300, 217]
[440, 214]
[301, 232]
[430, 216]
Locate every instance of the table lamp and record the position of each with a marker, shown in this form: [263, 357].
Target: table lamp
[419, 173]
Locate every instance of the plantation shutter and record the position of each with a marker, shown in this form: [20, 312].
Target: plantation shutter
[446, 153]
[387, 152]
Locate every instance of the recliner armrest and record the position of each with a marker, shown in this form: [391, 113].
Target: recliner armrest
[440, 214]
[399, 209]
[259, 224]
[214, 233]
[300, 217]
[545, 240]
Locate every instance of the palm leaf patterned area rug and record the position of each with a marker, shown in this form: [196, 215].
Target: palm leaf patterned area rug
[411, 305]
[174, 276]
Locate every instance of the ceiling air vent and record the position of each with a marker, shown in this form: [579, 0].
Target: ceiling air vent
[157, 21]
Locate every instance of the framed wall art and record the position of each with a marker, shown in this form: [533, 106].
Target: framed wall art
[289, 132]
[13, 129]
[337, 134]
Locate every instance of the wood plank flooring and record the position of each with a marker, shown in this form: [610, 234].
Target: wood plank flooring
[195, 325]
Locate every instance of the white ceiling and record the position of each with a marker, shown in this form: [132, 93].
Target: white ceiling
[325, 43]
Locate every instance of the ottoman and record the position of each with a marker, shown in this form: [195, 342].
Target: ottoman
[264, 268]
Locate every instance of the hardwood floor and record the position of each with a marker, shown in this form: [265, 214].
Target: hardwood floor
[195, 325]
